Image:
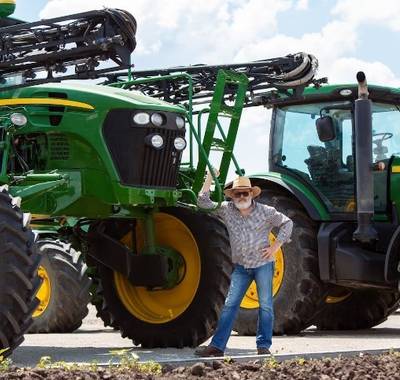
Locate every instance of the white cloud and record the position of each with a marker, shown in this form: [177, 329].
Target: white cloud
[333, 41]
[344, 71]
[302, 5]
[357, 12]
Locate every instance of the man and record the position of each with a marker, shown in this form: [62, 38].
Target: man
[249, 224]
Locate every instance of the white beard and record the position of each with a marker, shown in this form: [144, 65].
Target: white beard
[242, 205]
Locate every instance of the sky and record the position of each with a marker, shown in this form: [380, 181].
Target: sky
[345, 35]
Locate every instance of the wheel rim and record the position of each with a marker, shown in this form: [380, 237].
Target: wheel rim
[250, 300]
[44, 292]
[162, 306]
[338, 296]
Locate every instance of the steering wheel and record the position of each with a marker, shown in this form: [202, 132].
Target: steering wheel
[385, 136]
[380, 150]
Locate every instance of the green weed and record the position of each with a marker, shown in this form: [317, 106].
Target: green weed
[129, 360]
[4, 363]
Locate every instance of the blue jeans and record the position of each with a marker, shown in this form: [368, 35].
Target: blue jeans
[240, 281]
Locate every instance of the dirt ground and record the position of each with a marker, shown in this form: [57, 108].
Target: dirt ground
[363, 367]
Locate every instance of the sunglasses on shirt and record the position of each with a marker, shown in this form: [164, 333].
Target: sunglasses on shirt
[239, 194]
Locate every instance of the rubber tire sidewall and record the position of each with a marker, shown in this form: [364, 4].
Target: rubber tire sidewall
[69, 284]
[19, 280]
[363, 309]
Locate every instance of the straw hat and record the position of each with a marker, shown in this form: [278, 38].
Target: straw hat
[242, 183]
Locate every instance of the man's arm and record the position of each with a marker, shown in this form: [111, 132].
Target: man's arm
[285, 225]
[204, 201]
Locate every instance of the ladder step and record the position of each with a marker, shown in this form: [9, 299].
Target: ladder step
[220, 147]
[218, 143]
[227, 110]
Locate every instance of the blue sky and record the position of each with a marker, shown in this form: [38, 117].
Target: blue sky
[345, 35]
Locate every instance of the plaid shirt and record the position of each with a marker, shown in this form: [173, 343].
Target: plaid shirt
[249, 234]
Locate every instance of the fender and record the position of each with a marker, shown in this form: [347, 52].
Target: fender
[308, 199]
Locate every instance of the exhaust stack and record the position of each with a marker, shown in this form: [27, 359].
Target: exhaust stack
[365, 232]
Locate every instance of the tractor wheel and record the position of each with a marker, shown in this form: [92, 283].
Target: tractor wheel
[97, 299]
[19, 281]
[356, 309]
[297, 290]
[187, 314]
[64, 293]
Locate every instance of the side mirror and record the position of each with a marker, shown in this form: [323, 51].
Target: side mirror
[325, 128]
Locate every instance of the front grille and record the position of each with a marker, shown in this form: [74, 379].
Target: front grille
[159, 166]
[58, 146]
[137, 163]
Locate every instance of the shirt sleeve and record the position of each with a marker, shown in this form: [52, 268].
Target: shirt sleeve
[285, 224]
[204, 201]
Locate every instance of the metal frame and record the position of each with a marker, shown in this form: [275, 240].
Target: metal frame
[80, 41]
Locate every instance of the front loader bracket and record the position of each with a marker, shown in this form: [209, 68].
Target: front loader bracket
[141, 270]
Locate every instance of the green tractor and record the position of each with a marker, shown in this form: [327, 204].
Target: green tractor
[334, 172]
[28, 51]
[334, 161]
[112, 159]
[64, 293]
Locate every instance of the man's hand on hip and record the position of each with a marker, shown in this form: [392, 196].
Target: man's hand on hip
[269, 252]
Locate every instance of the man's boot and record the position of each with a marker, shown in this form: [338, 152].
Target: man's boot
[207, 351]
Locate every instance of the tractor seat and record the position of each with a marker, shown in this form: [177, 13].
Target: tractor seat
[318, 165]
[350, 163]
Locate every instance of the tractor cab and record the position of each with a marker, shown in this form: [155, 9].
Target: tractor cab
[314, 141]
[338, 151]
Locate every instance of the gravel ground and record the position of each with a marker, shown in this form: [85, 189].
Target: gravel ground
[363, 367]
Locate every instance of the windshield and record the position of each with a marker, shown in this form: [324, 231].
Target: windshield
[329, 166]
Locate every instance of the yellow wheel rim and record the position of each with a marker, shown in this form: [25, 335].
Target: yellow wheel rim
[338, 296]
[350, 205]
[162, 306]
[44, 293]
[250, 300]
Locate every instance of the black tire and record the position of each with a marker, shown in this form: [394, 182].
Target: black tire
[97, 300]
[363, 309]
[197, 323]
[301, 292]
[69, 289]
[19, 281]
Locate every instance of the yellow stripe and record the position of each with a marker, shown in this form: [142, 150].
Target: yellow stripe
[395, 169]
[44, 101]
[7, 1]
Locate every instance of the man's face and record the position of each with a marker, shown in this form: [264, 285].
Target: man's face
[242, 198]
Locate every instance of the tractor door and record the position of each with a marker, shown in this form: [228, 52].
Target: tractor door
[385, 147]
[327, 167]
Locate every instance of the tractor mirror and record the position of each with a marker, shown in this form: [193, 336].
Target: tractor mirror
[325, 128]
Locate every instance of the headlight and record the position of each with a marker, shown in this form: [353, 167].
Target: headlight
[155, 141]
[180, 122]
[18, 119]
[157, 119]
[179, 143]
[141, 118]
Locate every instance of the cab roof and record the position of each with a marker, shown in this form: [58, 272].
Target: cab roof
[334, 92]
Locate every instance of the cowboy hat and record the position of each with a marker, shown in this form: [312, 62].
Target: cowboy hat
[242, 183]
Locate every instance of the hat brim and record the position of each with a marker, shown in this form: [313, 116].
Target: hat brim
[255, 189]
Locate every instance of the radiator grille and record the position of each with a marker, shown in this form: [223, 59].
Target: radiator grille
[159, 166]
[139, 164]
[58, 147]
